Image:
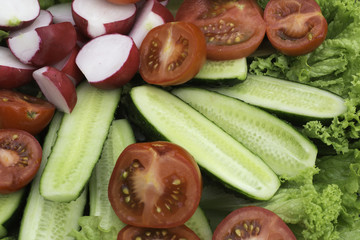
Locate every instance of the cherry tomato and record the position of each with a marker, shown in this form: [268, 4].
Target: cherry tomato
[25, 112]
[295, 27]
[255, 223]
[155, 185]
[176, 233]
[233, 29]
[20, 158]
[172, 53]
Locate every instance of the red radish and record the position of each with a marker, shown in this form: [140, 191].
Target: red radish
[98, 17]
[62, 13]
[109, 61]
[18, 13]
[13, 73]
[165, 2]
[44, 45]
[44, 19]
[57, 88]
[69, 67]
[152, 15]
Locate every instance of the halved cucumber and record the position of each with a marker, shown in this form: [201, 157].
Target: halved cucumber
[200, 225]
[283, 148]
[213, 149]
[286, 97]
[9, 203]
[79, 143]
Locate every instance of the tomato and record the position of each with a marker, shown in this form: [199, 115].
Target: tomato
[176, 233]
[25, 112]
[233, 29]
[20, 158]
[155, 185]
[255, 223]
[295, 27]
[172, 53]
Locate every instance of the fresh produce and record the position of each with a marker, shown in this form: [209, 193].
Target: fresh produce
[62, 12]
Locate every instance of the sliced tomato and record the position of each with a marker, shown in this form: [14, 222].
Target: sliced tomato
[295, 27]
[20, 158]
[172, 53]
[233, 29]
[24, 112]
[253, 223]
[176, 233]
[155, 185]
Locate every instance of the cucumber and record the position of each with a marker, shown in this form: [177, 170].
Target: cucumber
[156, 110]
[200, 225]
[79, 143]
[120, 136]
[278, 144]
[43, 219]
[286, 97]
[218, 73]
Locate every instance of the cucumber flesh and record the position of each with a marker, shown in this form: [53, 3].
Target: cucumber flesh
[277, 143]
[200, 225]
[120, 136]
[9, 203]
[79, 143]
[286, 97]
[44, 219]
[213, 149]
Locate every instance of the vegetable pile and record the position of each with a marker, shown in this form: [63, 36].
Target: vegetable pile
[202, 119]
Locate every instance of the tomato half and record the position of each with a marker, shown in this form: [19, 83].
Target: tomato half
[155, 185]
[233, 29]
[172, 53]
[253, 223]
[295, 27]
[25, 112]
[176, 233]
[20, 158]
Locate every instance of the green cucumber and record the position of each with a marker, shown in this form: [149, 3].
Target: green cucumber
[218, 73]
[43, 219]
[158, 111]
[286, 97]
[79, 143]
[200, 225]
[120, 136]
[278, 144]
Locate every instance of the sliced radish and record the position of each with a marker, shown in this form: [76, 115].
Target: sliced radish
[152, 14]
[18, 13]
[109, 61]
[44, 45]
[62, 13]
[13, 73]
[57, 88]
[98, 17]
[44, 19]
[69, 67]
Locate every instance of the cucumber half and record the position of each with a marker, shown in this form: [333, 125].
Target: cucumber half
[277, 143]
[213, 149]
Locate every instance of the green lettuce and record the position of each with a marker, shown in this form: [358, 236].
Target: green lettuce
[91, 230]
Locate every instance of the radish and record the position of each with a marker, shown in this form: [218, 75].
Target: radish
[98, 17]
[57, 88]
[18, 13]
[45, 18]
[152, 14]
[109, 61]
[13, 73]
[62, 13]
[44, 45]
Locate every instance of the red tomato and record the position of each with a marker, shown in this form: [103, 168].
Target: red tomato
[21, 111]
[176, 233]
[172, 53]
[233, 29]
[295, 27]
[20, 158]
[155, 185]
[255, 223]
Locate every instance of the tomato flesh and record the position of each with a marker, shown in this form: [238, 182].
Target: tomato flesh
[233, 29]
[20, 158]
[253, 223]
[24, 112]
[155, 185]
[295, 27]
[172, 53]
